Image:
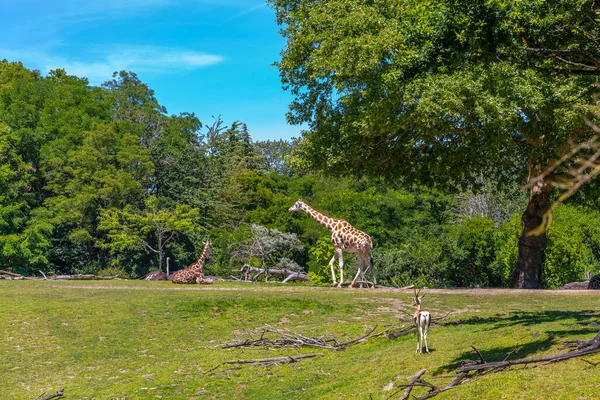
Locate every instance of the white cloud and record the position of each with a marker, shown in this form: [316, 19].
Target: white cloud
[248, 11]
[140, 59]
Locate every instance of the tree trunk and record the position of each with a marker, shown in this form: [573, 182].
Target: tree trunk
[161, 255]
[528, 271]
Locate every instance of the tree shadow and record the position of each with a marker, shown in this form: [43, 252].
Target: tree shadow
[528, 318]
[497, 354]
[578, 323]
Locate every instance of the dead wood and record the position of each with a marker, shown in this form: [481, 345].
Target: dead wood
[471, 369]
[434, 390]
[12, 274]
[82, 277]
[588, 349]
[402, 332]
[289, 338]
[155, 276]
[409, 387]
[59, 393]
[575, 286]
[369, 284]
[267, 361]
[287, 274]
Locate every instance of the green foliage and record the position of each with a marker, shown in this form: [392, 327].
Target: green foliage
[114, 271]
[95, 178]
[129, 231]
[573, 238]
[318, 264]
[473, 253]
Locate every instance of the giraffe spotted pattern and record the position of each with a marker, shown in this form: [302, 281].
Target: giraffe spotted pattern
[344, 237]
[195, 272]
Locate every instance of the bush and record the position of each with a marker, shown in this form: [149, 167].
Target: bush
[572, 238]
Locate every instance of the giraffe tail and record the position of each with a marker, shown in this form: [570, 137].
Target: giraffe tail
[372, 270]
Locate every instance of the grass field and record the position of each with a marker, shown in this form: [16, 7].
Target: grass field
[148, 340]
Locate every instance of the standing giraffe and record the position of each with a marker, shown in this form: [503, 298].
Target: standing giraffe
[344, 237]
[195, 272]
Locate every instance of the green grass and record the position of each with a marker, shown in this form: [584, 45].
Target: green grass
[147, 340]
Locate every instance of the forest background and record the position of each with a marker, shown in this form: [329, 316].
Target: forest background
[103, 180]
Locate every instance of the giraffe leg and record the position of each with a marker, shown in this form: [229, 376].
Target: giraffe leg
[359, 272]
[332, 270]
[341, 262]
[335, 256]
[370, 262]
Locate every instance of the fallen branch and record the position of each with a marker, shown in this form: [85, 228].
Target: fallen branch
[289, 338]
[479, 367]
[433, 389]
[402, 332]
[274, 360]
[82, 277]
[51, 396]
[521, 361]
[410, 385]
[12, 274]
[369, 284]
[287, 274]
[267, 361]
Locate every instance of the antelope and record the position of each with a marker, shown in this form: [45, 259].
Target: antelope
[422, 319]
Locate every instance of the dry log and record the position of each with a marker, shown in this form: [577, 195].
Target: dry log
[507, 363]
[267, 361]
[402, 332]
[82, 277]
[369, 284]
[59, 393]
[287, 274]
[409, 387]
[434, 390]
[288, 338]
[274, 360]
[155, 276]
[479, 367]
[11, 274]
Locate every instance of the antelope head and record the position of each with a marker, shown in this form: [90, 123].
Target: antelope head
[417, 300]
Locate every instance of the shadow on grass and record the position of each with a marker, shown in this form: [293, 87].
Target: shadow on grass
[528, 318]
[577, 323]
[498, 354]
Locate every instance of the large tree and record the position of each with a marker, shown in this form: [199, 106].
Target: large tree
[442, 92]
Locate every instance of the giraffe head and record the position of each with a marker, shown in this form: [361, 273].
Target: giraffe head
[297, 206]
[208, 244]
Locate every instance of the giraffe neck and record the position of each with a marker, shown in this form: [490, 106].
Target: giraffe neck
[325, 220]
[200, 262]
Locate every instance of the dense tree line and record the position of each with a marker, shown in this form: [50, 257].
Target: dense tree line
[103, 180]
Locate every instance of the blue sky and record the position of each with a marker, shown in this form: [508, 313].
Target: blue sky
[209, 57]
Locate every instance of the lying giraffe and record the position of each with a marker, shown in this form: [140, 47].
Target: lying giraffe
[195, 272]
[344, 237]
